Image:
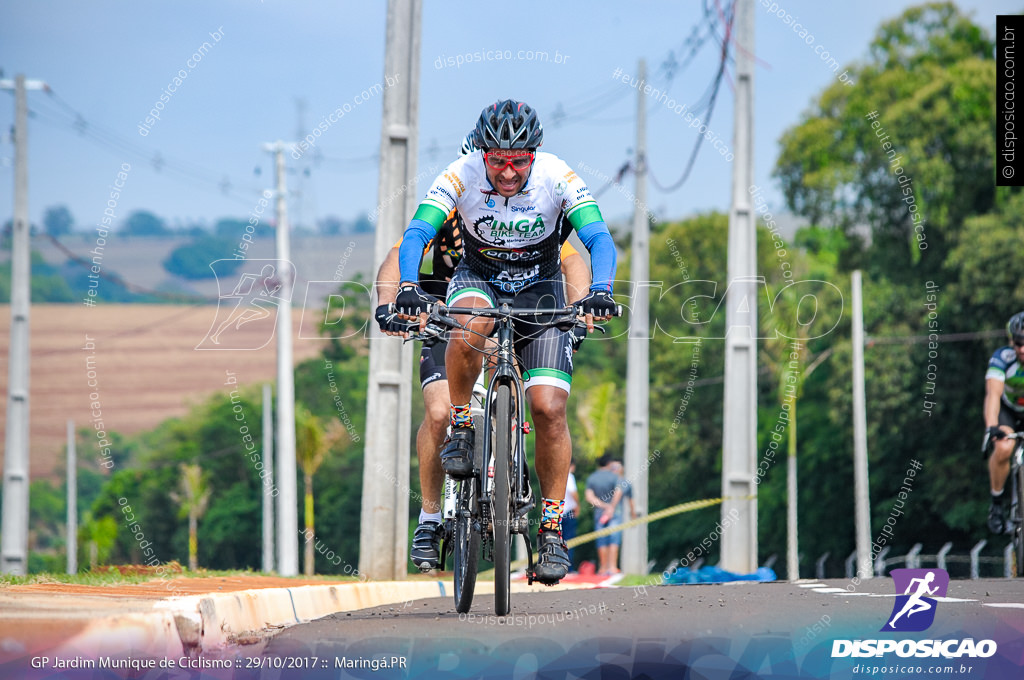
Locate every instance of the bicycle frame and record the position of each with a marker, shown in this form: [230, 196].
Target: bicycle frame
[505, 373]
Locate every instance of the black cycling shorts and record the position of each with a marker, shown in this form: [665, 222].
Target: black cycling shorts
[1011, 418]
[545, 352]
[432, 363]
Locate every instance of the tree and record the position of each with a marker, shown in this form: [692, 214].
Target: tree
[909, 150]
[192, 501]
[144, 223]
[312, 442]
[601, 417]
[330, 226]
[58, 221]
[192, 260]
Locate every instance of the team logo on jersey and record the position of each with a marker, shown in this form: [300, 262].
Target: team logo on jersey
[510, 254]
[560, 188]
[482, 228]
[491, 230]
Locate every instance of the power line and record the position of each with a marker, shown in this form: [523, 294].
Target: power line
[63, 115]
[711, 107]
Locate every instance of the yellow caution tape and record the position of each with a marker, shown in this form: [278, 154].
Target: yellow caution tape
[654, 516]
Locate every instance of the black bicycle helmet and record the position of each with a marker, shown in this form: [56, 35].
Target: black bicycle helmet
[508, 124]
[1015, 326]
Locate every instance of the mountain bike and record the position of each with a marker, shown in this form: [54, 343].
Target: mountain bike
[490, 507]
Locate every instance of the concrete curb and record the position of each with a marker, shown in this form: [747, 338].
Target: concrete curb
[185, 626]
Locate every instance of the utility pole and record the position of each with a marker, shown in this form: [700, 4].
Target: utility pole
[634, 541]
[268, 484]
[72, 522]
[862, 509]
[14, 520]
[384, 521]
[302, 165]
[287, 517]
[739, 426]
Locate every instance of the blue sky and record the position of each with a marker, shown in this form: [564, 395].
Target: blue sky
[109, 62]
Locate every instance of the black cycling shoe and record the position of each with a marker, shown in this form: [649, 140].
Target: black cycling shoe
[996, 518]
[457, 453]
[426, 546]
[552, 558]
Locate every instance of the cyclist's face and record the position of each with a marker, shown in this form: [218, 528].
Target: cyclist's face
[507, 179]
[1019, 349]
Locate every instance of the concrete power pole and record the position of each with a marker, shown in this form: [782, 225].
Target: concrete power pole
[384, 522]
[72, 521]
[268, 486]
[739, 436]
[862, 508]
[634, 541]
[287, 514]
[14, 520]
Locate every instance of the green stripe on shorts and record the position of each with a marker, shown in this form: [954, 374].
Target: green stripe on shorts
[478, 291]
[547, 373]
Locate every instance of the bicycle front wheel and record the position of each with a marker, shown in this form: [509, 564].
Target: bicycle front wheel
[501, 449]
[467, 547]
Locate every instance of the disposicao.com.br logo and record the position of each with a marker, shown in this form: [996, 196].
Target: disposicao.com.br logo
[914, 611]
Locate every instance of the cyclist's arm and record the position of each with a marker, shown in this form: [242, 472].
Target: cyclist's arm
[585, 217]
[993, 397]
[386, 284]
[428, 220]
[577, 274]
[599, 243]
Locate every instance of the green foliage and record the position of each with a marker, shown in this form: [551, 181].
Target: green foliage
[58, 220]
[192, 260]
[232, 229]
[46, 284]
[144, 223]
[928, 89]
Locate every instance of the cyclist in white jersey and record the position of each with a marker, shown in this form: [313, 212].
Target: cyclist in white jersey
[1004, 413]
[510, 197]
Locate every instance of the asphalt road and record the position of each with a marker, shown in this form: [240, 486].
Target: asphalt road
[737, 630]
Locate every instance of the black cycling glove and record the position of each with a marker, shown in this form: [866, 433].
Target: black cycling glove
[413, 300]
[390, 323]
[599, 303]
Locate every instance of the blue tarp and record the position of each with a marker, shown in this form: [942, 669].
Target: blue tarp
[715, 575]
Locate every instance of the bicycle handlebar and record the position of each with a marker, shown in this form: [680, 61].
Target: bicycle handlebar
[441, 315]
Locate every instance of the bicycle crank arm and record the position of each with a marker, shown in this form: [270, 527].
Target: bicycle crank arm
[530, 575]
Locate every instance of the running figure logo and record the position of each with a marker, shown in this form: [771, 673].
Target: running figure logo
[254, 296]
[914, 610]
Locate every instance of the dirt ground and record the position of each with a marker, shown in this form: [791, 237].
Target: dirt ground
[145, 368]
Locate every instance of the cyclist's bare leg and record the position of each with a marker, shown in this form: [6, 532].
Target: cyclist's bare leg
[462, 358]
[999, 461]
[429, 438]
[554, 449]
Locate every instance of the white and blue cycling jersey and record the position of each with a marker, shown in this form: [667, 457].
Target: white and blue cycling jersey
[1003, 366]
[512, 242]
